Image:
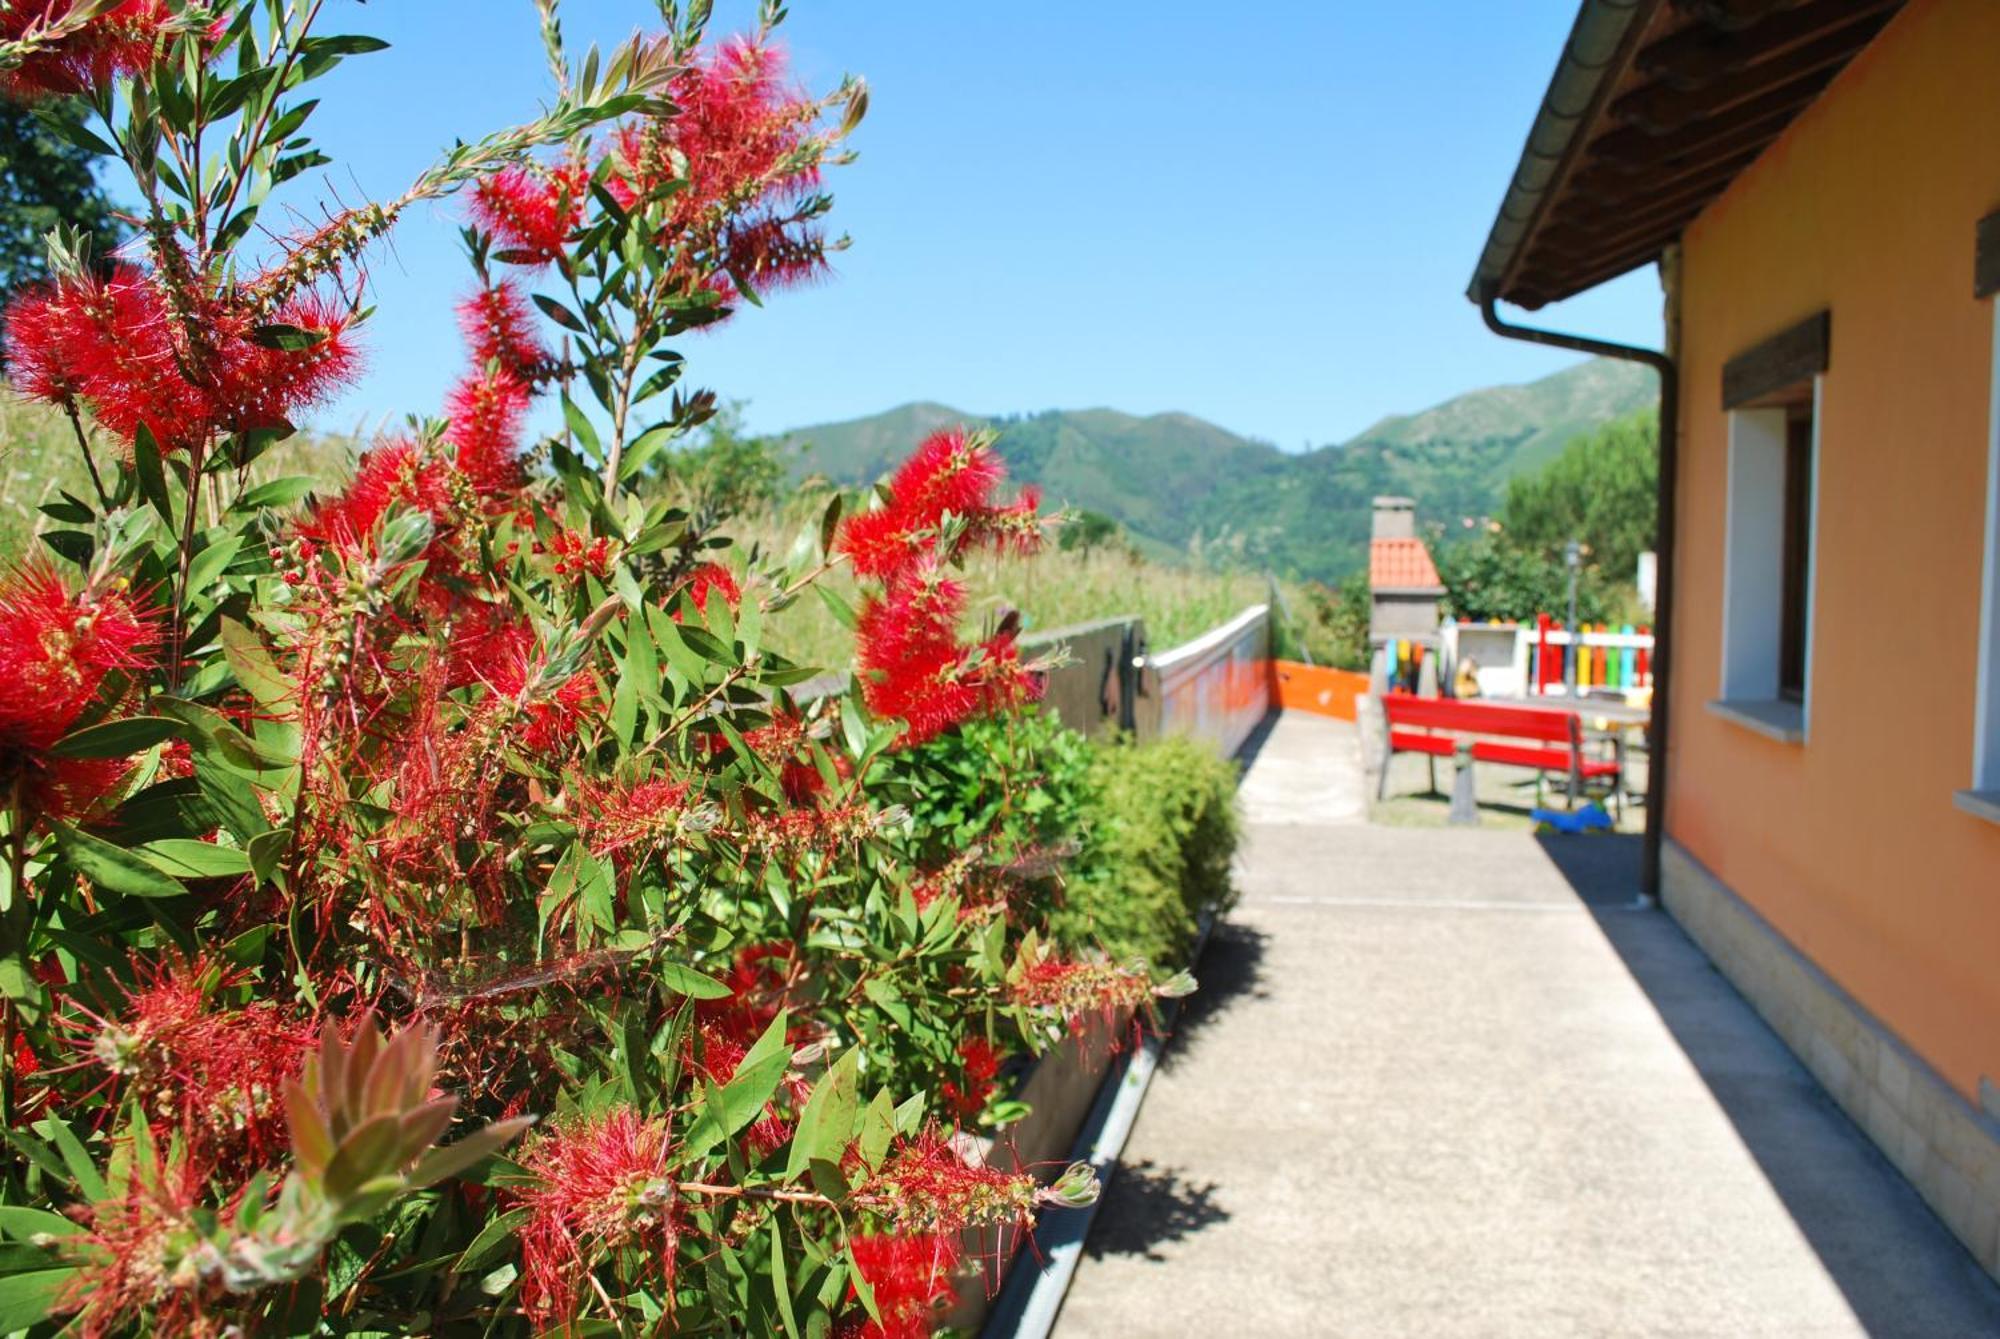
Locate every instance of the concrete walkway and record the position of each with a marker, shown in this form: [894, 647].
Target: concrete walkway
[1444, 1083]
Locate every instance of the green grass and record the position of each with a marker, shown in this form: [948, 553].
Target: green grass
[40, 460]
[1052, 590]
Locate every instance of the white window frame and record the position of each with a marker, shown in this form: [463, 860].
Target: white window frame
[1753, 574]
[1983, 798]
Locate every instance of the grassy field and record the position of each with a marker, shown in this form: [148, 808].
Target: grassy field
[1053, 590]
[39, 459]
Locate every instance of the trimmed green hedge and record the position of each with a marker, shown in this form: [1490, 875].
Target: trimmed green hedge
[1142, 834]
[1161, 833]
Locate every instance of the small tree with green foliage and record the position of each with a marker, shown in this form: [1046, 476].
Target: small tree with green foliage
[1600, 491]
[45, 180]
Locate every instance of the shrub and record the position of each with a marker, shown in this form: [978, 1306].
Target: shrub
[1160, 831]
[349, 829]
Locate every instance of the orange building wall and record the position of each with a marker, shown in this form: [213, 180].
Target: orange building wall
[1850, 843]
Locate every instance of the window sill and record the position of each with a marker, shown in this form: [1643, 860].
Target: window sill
[1771, 718]
[1979, 803]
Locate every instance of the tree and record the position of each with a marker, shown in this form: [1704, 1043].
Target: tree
[1601, 491]
[45, 180]
[727, 470]
[1495, 580]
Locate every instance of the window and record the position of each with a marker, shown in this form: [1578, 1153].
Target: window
[1984, 797]
[1772, 395]
[1796, 557]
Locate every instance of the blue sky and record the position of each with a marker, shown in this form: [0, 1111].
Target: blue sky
[1260, 213]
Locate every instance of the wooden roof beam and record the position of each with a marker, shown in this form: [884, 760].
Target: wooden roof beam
[1730, 15]
[1646, 148]
[1663, 110]
[1609, 173]
[1697, 56]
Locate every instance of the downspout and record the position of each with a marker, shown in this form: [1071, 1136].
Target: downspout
[1663, 598]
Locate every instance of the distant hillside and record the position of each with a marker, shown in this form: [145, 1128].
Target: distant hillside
[1176, 481]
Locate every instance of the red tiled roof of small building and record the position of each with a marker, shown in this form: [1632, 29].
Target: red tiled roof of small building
[1401, 564]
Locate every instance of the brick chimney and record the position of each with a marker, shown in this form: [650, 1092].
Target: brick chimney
[1395, 518]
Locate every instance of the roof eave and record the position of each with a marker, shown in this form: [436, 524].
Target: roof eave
[1599, 42]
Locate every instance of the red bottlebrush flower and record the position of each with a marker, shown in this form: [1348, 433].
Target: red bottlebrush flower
[548, 712]
[576, 554]
[738, 132]
[980, 1064]
[950, 471]
[614, 818]
[56, 650]
[928, 1185]
[499, 328]
[138, 1265]
[218, 1073]
[392, 474]
[119, 41]
[707, 580]
[486, 409]
[109, 342]
[909, 1275]
[774, 252]
[1075, 990]
[784, 745]
[601, 1185]
[531, 209]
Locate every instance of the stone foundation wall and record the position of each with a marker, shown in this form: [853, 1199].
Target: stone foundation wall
[1947, 1148]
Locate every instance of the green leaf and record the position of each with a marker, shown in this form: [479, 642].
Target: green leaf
[113, 867]
[82, 1169]
[781, 1287]
[253, 666]
[497, 1232]
[741, 1100]
[26, 1299]
[116, 739]
[829, 1122]
[210, 562]
[196, 860]
[459, 1158]
[841, 609]
[580, 426]
[286, 338]
[878, 1129]
[24, 1223]
[346, 44]
[560, 314]
[277, 493]
[685, 980]
[265, 850]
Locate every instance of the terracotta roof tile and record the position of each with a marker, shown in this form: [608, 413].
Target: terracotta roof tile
[1401, 564]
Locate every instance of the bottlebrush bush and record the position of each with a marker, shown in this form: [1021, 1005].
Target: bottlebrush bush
[426, 907]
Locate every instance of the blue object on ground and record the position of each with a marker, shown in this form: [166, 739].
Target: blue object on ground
[1590, 818]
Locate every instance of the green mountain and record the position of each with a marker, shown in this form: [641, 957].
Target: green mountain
[1183, 484]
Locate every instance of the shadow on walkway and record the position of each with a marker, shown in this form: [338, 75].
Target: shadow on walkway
[1152, 1206]
[1900, 1270]
[1230, 972]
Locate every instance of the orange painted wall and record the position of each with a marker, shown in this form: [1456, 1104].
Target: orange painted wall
[1315, 688]
[1850, 843]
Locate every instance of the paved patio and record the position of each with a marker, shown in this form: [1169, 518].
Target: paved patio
[1455, 1082]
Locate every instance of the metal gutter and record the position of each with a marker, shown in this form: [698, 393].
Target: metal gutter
[1596, 47]
[1667, 521]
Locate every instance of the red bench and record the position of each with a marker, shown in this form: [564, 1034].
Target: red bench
[1548, 741]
